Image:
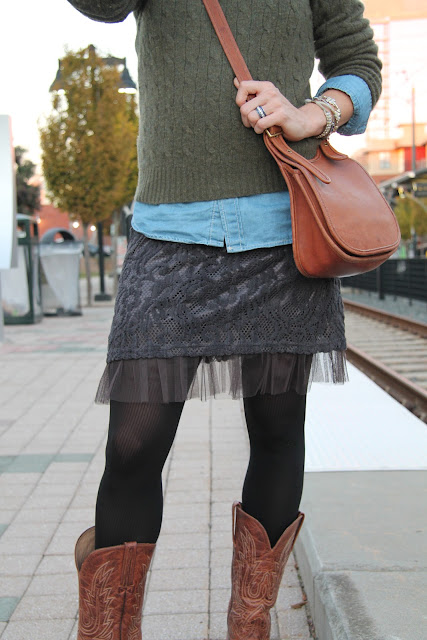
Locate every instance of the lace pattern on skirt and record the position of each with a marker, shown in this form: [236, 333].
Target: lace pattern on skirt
[195, 321]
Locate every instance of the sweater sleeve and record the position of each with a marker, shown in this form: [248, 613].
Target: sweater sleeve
[344, 42]
[106, 10]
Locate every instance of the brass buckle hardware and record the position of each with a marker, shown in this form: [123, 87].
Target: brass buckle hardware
[274, 135]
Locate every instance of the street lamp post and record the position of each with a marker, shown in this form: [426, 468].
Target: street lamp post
[126, 85]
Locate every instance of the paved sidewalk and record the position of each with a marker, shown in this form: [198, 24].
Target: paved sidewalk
[52, 440]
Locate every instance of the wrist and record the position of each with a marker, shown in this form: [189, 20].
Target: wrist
[314, 119]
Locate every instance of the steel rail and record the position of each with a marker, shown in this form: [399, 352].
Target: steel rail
[407, 324]
[406, 392]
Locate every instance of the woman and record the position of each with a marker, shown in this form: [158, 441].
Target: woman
[210, 299]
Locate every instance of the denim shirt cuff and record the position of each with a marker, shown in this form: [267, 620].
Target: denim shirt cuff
[360, 95]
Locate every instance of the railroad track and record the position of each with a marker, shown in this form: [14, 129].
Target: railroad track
[392, 350]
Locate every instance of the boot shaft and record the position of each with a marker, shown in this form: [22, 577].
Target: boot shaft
[111, 588]
[256, 574]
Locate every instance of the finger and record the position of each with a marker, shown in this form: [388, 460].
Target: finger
[265, 123]
[258, 101]
[236, 83]
[253, 116]
[247, 88]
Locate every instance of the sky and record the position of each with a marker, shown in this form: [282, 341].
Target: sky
[33, 35]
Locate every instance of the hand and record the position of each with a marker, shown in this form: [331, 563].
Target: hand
[296, 124]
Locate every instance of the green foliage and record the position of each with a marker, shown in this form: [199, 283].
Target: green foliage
[411, 213]
[89, 140]
[28, 195]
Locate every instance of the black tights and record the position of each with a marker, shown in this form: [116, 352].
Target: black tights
[130, 500]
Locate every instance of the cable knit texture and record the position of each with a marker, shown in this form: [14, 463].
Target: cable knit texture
[192, 144]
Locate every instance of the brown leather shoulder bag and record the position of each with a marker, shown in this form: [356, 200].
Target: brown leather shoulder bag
[341, 223]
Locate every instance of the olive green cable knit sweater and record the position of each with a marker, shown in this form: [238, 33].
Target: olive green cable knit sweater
[192, 144]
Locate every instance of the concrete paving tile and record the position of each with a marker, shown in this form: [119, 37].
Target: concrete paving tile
[83, 502]
[53, 477]
[56, 565]
[12, 502]
[61, 545]
[2, 627]
[182, 541]
[218, 600]
[73, 634]
[38, 630]
[18, 565]
[287, 597]
[47, 501]
[275, 633]
[226, 495]
[183, 497]
[221, 482]
[290, 576]
[71, 529]
[166, 602]
[20, 479]
[220, 539]
[68, 467]
[8, 605]
[222, 510]
[220, 577]
[185, 626]
[49, 607]
[221, 523]
[185, 525]
[3, 528]
[86, 515]
[14, 489]
[13, 586]
[60, 584]
[29, 463]
[27, 529]
[171, 559]
[74, 457]
[293, 624]
[186, 510]
[22, 546]
[172, 579]
[88, 488]
[217, 626]
[55, 489]
[7, 515]
[188, 484]
[35, 516]
[221, 557]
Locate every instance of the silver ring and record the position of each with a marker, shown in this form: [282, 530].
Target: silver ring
[260, 111]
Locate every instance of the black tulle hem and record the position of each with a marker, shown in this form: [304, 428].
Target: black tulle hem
[181, 378]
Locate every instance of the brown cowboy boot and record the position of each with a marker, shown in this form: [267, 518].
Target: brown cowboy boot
[111, 588]
[256, 573]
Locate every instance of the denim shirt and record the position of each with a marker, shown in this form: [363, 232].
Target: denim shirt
[248, 222]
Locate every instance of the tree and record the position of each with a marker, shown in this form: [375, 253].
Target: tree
[411, 214]
[89, 142]
[28, 195]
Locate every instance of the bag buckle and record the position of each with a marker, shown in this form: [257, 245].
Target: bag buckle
[273, 135]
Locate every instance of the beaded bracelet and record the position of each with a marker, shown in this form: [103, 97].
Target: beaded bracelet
[335, 108]
[332, 114]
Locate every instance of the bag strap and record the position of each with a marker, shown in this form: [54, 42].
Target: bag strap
[273, 138]
[226, 38]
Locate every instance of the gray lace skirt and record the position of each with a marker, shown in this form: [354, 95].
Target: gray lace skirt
[195, 321]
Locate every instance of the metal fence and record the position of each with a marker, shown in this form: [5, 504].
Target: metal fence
[397, 277]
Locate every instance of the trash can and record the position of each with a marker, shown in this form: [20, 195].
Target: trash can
[21, 292]
[60, 262]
